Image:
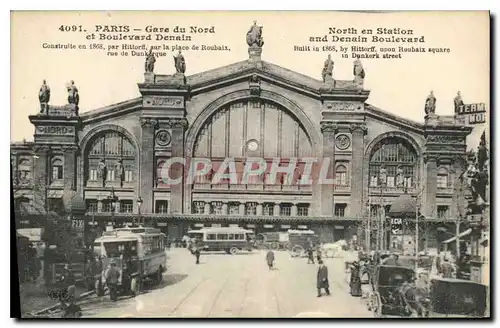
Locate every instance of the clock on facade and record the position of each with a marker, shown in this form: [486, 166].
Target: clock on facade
[252, 145]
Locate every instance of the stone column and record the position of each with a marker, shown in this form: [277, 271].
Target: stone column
[276, 209]
[70, 168]
[177, 190]
[147, 163]
[224, 208]
[242, 209]
[431, 185]
[259, 209]
[40, 177]
[99, 205]
[293, 211]
[358, 132]
[328, 129]
[207, 208]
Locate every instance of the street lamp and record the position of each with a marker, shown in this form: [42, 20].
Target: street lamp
[112, 199]
[139, 204]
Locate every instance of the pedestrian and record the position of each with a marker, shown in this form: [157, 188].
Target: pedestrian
[310, 256]
[355, 283]
[112, 276]
[270, 259]
[197, 253]
[322, 279]
[318, 254]
[447, 268]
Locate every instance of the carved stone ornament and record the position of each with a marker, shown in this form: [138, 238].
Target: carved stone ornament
[342, 141]
[41, 148]
[445, 139]
[69, 148]
[344, 106]
[175, 123]
[163, 138]
[358, 127]
[254, 85]
[148, 122]
[431, 157]
[329, 127]
[172, 102]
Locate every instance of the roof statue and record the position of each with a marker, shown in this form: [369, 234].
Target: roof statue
[359, 73]
[430, 104]
[180, 63]
[73, 97]
[44, 97]
[327, 72]
[458, 102]
[254, 35]
[149, 66]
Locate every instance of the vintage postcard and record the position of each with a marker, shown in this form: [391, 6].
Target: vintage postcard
[251, 164]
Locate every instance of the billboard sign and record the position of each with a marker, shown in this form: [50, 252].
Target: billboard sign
[474, 113]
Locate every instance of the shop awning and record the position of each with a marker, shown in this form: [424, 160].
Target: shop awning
[462, 234]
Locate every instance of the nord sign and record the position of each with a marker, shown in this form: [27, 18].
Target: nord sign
[51, 129]
[476, 113]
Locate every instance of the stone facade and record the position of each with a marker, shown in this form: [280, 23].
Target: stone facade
[282, 113]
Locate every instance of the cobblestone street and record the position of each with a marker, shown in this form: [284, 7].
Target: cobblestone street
[237, 286]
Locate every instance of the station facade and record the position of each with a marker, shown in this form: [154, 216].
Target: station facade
[113, 157]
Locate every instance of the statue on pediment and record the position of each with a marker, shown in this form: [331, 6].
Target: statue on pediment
[73, 97]
[44, 97]
[458, 102]
[327, 72]
[180, 63]
[150, 61]
[359, 72]
[103, 171]
[254, 35]
[120, 170]
[430, 104]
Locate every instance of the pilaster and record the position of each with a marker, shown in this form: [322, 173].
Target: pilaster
[40, 176]
[430, 164]
[276, 210]
[147, 163]
[328, 130]
[358, 132]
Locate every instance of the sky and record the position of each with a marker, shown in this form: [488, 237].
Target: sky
[399, 86]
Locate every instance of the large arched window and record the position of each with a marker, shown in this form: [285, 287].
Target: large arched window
[393, 163]
[111, 159]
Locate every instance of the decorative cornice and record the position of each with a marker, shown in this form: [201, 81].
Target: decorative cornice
[174, 123]
[41, 148]
[148, 122]
[70, 148]
[431, 158]
[358, 127]
[329, 127]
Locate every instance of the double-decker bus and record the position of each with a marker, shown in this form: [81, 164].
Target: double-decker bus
[228, 239]
[139, 254]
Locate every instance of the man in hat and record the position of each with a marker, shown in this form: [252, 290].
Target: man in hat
[112, 276]
[270, 259]
[322, 279]
[447, 268]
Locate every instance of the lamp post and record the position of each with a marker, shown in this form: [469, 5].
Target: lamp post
[139, 204]
[112, 198]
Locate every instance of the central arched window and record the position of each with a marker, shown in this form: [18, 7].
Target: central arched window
[111, 159]
[393, 163]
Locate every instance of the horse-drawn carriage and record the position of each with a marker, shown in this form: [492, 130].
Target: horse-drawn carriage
[396, 292]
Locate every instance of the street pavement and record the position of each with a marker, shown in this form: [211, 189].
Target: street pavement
[238, 285]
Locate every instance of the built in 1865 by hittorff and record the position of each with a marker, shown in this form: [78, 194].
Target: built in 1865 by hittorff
[108, 162]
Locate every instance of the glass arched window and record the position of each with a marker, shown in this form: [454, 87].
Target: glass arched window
[442, 178]
[341, 175]
[393, 163]
[57, 169]
[111, 157]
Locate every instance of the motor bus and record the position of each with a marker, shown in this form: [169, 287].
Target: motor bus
[139, 254]
[228, 239]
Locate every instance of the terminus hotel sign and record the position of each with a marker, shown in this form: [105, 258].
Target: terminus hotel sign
[475, 113]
